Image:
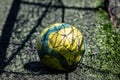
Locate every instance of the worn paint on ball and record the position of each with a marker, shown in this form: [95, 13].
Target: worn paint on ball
[60, 46]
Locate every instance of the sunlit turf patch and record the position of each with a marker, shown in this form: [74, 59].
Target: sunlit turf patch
[107, 39]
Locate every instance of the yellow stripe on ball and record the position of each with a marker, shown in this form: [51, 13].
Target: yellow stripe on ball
[60, 46]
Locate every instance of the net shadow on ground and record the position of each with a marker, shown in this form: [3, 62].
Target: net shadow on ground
[7, 32]
[5, 29]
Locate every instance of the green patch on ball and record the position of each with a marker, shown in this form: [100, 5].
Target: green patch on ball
[60, 46]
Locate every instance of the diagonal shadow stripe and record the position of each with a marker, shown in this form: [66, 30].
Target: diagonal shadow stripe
[29, 35]
[32, 31]
[7, 31]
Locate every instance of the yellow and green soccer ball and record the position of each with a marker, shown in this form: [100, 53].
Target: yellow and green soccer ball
[60, 46]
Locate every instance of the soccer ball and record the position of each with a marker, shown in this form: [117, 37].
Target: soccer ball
[60, 46]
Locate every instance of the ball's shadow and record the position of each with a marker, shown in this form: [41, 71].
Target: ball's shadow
[34, 66]
[40, 68]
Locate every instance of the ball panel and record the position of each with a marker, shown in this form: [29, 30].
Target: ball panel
[75, 58]
[39, 45]
[70, 37]
[62, 63]
[68, 41]
[54, 40]
[65, 45]
[82, 50]
[53, 29]
[52, 62]
[60, 46]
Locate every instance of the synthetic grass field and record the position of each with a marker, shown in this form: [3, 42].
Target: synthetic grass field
[24, 21]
